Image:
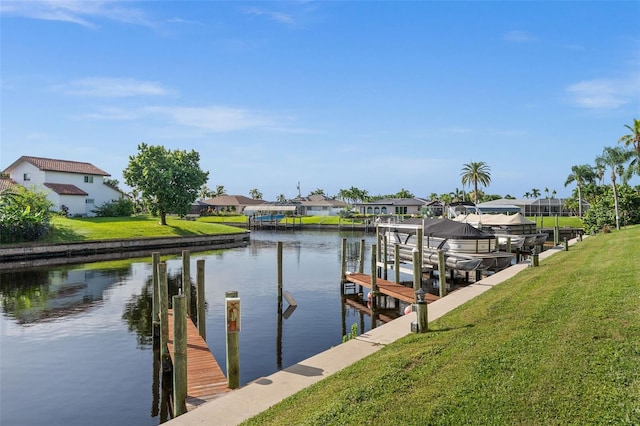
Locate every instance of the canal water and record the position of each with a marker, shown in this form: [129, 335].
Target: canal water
[76, 345]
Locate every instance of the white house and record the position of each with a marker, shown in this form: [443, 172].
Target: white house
[74, 185]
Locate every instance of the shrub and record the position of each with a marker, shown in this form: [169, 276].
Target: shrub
[123, 207]
[24, 215]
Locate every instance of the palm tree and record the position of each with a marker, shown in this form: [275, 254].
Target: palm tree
[220, 191]
[535, 193]
[205, 192]
[581, 174]
[281, 198]
[633, 140]
[255, 194]
[527, 194]
[613, 157]
[403, 193]
[477, 173]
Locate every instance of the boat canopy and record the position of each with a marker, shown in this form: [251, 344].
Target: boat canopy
[446, 228]
[495, 219]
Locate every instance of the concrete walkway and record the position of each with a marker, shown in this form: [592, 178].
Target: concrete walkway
[239, 405]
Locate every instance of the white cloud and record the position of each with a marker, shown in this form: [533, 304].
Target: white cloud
[112, 87]
[604, 93]
[519, 37]
[279, 17]
[213, 118]
[81, 12]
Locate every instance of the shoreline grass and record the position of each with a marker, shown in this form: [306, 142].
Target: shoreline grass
[555, 345]
[102, 228]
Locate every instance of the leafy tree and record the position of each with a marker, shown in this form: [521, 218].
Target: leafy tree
[169, 181]
[601, 214]
[111, 182]
[255, 194]
[613, 157]
[581, 175]
[476, 173]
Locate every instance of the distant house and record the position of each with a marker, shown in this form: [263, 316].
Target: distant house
[230, 203]
[318, 205]
[72, 185]
[530, 207]
[404, 206]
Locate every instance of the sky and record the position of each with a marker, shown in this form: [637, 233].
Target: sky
[381, 96]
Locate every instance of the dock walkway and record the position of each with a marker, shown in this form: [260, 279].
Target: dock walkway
[388, 288]
[205, 379]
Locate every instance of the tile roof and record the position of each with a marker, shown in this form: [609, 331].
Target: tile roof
[6, 183]
[65, 189]
[52, 165]
[232, 200]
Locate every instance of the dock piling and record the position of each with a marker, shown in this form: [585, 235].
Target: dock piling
[186, 278]
[232, 316]
[179, 354]
[200, 300]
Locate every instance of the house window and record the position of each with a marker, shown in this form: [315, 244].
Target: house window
[89, 201]
[26, 176]
[88, 179]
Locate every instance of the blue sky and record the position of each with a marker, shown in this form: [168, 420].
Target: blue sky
[377, 95]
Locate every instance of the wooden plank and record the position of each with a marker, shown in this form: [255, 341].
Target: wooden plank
[397, 291]
[205, 379]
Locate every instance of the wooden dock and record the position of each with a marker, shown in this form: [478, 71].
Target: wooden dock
[205, 379]
[388, 288]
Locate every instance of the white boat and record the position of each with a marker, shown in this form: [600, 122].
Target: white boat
[460, 242]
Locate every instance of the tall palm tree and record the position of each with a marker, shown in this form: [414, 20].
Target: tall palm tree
[535, 193]
[613, 157]
[476, 172]
[633, 140]
[581, 175]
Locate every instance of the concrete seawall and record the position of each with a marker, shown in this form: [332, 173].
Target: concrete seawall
[32, 255]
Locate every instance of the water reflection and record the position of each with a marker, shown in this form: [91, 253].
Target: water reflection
[43, 295]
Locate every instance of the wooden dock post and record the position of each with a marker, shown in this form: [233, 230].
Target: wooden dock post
[163, 295]
[279, 313]
[374, 277]
[417, 269]
[508, 249]
[556, 233]
[396, 262]
[186, 278]
[421, 306]
[361, 262]
[534, 258]
[279, 260]
[385, 256]
[155, 313]
[343, 264]
[179, 354]
[200, 300]
[442, 275]
[232, 316]
[566, 244]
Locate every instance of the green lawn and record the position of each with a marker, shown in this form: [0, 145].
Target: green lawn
[555, 345]
[101, 228]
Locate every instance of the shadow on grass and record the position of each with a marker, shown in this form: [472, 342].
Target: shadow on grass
[437, 330]
[63, 235]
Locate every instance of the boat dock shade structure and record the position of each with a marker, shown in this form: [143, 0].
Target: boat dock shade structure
[268, 209]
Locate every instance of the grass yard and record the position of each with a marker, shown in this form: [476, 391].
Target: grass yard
[555, 345]
[101, 228]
